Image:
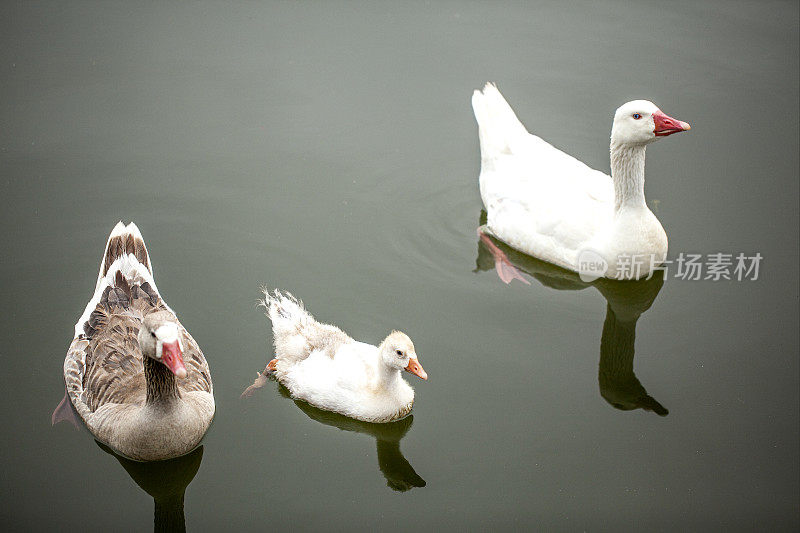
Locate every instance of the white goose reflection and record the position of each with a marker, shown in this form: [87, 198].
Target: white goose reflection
[626, 302]
[399, 473]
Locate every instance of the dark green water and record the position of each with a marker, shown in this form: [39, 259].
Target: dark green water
[330, 149]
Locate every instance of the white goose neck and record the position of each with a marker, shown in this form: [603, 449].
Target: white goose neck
[388, 376]
[627, 173]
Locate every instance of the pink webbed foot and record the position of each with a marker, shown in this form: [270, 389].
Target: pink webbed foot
[64, 411]
[261, 379]
[502, 265]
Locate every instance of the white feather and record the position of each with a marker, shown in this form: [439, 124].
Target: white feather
[322, 365]
[550, 205]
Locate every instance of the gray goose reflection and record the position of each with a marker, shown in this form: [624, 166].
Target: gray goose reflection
[166, 482]
[626, 301]
[399, 473]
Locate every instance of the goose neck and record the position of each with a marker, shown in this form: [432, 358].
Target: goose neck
[388, 376]
[161, 384]
[627, 173]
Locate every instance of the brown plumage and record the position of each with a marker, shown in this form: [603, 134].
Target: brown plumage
[125, 244]
[114, 365]
[109, 380]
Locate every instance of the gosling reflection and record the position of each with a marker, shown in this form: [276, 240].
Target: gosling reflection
[166, 482]
[626, 301]
[399, 473]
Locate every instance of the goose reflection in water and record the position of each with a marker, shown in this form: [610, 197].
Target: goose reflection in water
[166, 482]
[626, 301]
[399, 473]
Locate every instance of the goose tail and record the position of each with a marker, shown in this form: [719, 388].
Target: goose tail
[125, 253]
[499, 129]
[287, 313]
[125, 263]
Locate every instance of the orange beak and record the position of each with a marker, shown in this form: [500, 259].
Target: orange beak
[415, 368]
[172, 356]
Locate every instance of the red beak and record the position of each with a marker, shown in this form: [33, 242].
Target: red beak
[415, 368]
[172, 356]
[666, 125]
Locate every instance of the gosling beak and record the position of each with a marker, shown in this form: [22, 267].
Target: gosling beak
[666, 125]
[415, 368]
[172, 356]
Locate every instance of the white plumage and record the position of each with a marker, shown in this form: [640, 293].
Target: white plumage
[324, 366]
[548, 204]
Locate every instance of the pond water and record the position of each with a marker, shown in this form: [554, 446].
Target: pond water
[330, 149]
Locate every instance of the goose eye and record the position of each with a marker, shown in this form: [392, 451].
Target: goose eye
[637, 116]
[399, 352]
[152, 334]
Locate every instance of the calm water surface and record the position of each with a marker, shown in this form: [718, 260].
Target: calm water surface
[330, 149]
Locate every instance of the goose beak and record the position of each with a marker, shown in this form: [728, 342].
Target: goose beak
[172, 356]
[415, 368]
[666, 125]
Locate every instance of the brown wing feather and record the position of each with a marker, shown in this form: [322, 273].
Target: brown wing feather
[125, 244]
[198, 377]
[140, 251]
[114, 372]
[114, 249]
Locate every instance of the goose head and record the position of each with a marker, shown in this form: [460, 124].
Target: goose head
[397, 351]
[642, 122]
[160, 340]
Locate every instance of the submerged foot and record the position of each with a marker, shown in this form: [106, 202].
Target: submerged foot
[261, 379]
[502, 265]
[64, 412]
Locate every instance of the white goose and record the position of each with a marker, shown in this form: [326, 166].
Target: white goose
[133, 373]
[548, 204]
[322, 365]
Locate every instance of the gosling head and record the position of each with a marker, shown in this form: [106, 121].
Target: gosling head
[160, 339]
[397, 351]
[642, 122]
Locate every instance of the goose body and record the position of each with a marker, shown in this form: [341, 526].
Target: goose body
[546, 203]
[146, 407]
[322, 365]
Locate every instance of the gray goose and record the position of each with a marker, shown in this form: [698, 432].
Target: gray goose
[133, 373]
